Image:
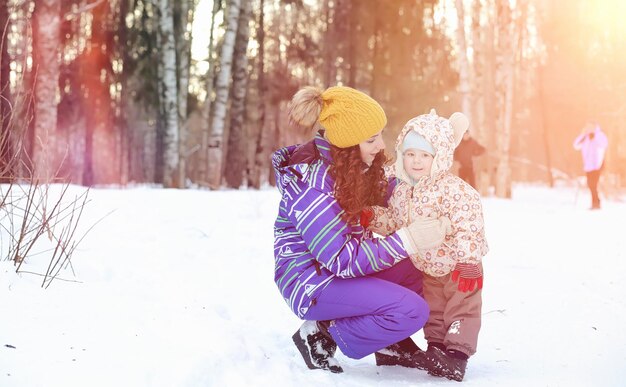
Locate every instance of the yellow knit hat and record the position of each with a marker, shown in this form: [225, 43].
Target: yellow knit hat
[350, 116]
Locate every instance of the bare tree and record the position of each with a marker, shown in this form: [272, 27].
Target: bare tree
[477, 75]
[353, 16]
[236, 152]
[464, 65]
[545, 138]
[330, 34]
[169, 90]
[5, 94]
[509, 34]
[46, 43]
[256, 174]
[206, 106]
[183, 24]
[85, 138]
[222, 87]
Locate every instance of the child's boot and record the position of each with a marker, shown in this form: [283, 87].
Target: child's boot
[450, 364]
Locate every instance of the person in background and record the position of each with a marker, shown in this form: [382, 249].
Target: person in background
[592, 143]
[356, 292]
[464, 154]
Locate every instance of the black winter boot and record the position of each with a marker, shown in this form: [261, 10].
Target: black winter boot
[448, 364]
[317, 346]
[404, 353]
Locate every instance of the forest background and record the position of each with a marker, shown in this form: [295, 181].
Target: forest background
[193, 93]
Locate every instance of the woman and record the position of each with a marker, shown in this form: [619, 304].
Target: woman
[356, 292]
[592, 143]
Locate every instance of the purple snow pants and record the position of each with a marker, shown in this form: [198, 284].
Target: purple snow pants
[372, 312]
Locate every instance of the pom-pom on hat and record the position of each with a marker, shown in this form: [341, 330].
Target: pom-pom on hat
[348, 115]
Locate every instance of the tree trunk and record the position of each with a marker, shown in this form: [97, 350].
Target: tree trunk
[169, 91]
[46, 45]
[101, 158]
[206, 107]
[77, 91]
[237, 150]
[157, 149]
[71, 114]
[257, 175]
[6, 151]
[477, 75]
[215, 143]
[490, 100]
[123, 118]
[545, 136]
[464, 66]
[183, 48]
[273, 134]
[377, 49]
[478, 127]
[330, 70]
[22, 118]
[508, 44]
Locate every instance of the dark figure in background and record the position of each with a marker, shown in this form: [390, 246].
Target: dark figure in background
[464, 154]
[592, 144]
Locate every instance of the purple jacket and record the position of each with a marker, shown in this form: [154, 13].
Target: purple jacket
[593, 146]
[312, 244]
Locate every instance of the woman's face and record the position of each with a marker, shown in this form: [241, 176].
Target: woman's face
[371, 147]
[417, 163]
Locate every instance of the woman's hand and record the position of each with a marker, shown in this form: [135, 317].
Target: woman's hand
[425, 233]
[366, 216]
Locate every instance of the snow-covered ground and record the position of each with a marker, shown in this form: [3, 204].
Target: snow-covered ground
[176, 289]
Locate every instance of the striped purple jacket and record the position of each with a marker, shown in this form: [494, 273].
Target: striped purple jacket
[312, 244]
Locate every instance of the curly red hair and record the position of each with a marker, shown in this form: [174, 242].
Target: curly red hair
[354, 188]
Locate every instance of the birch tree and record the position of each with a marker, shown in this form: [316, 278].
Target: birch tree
[183, 49]
[206, 107]
[236, 152]
[46, 42]
[488, 89]
[169, 91]
[509, 35]
[222, 85]
[477, 77]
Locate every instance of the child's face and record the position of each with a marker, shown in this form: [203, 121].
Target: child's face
[417, 163]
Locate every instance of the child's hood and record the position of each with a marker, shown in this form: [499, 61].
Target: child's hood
[444, 134]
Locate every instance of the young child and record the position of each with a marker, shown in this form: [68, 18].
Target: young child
[452, 272]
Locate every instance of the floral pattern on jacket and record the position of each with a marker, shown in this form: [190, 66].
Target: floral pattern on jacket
[440, 194]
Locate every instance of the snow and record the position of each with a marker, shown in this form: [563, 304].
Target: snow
[175, 288]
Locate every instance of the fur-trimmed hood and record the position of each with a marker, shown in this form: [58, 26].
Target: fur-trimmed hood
[444, 134]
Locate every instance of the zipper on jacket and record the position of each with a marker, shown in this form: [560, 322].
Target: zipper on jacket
[317, 267]
[295, 172]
